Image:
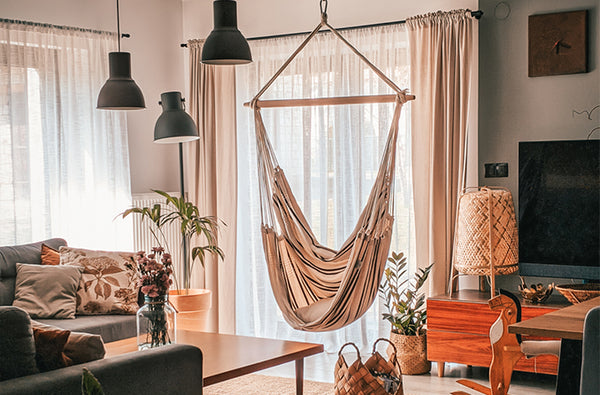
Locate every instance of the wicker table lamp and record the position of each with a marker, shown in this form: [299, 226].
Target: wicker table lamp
[485, 239]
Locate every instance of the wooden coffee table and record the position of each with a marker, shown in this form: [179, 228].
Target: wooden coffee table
[228, 356]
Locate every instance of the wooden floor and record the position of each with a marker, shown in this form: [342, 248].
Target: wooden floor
[320, 368]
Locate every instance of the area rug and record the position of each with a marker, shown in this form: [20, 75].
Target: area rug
[258, 384]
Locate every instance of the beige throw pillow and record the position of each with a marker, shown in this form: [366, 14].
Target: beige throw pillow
[107, 285]
[47, 291]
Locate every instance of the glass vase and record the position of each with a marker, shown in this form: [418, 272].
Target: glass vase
[156, 323]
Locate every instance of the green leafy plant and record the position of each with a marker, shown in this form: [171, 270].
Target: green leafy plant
[90, 384]
[406, 307]
[192, 226]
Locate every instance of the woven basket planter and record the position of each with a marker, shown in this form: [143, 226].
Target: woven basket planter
[483, 214]
[368, 378]
[412, 353]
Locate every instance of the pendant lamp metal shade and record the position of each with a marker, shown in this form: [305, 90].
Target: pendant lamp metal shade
[120, 92]
[225, 45]
[174, 125]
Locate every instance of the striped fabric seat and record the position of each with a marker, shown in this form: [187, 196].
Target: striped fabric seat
[317, 288]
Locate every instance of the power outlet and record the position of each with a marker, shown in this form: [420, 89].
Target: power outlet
[496, 170]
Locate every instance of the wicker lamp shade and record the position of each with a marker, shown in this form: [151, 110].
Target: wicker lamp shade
[486, 233]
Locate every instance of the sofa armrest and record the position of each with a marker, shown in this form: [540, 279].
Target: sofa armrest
[172, 369]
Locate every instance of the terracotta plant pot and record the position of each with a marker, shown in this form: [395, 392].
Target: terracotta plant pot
[192, 307]
[412, 353]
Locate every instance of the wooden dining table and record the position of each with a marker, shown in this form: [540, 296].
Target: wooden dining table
[566, 324]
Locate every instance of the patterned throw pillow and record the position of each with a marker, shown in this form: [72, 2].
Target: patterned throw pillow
[107, 285]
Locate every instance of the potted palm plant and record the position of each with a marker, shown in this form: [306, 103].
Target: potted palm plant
[406, 312]
[191, 304]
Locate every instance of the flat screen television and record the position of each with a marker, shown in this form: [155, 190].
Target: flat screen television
[559, 209]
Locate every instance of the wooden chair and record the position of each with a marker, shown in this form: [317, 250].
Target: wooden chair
[507, 348]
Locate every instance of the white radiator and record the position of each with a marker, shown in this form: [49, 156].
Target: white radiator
[143, 240]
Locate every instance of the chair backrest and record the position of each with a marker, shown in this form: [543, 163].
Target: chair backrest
[590, 362]
[516, 301]
[24, 253]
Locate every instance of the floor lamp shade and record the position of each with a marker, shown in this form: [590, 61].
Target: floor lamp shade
[486, 234]
[120, 92]
[174, 125]
[225, 45]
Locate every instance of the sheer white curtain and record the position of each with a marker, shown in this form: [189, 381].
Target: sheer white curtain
[64, 166]
[330, 155]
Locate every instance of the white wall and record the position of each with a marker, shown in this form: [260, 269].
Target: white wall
[157, 66]
[514, 107]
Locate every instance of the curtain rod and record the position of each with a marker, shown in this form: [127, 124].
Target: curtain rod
[475, 14]
[48, 25]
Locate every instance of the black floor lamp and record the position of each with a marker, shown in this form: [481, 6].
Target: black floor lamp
[175, 126]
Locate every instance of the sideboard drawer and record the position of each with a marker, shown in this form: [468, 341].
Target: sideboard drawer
[461, 317]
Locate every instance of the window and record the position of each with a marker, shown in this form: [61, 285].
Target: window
[330, 156]
[64, 166]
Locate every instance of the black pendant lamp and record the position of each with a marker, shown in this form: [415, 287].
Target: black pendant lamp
[174, 124]
[225, 45]
[120, 92]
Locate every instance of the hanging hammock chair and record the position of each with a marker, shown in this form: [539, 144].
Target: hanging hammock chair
[316, 288]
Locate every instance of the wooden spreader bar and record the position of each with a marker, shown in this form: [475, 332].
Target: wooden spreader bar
[327, 101]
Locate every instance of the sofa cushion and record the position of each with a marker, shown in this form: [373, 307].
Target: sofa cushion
[50, 256]
[109, 284]
[10, 255]
[17, 348]
[110, 327]
[80, 347]
[47, 291]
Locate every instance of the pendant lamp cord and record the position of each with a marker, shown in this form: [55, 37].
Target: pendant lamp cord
[118, 27]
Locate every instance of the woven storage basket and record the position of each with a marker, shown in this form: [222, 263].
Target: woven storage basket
[412, 353]
[472, 247]
[577, 293]
[367, 378]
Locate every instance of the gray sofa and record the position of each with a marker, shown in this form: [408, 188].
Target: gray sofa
[110, 327]
[172, 369]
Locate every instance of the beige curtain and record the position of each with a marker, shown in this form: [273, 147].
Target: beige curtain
[442, 61]
[211, 177]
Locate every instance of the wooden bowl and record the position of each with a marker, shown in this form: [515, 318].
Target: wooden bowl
[577, 293]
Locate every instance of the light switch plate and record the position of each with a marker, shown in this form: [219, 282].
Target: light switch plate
[496, 170]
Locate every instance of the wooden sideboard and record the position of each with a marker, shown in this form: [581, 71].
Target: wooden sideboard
[458, 331]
